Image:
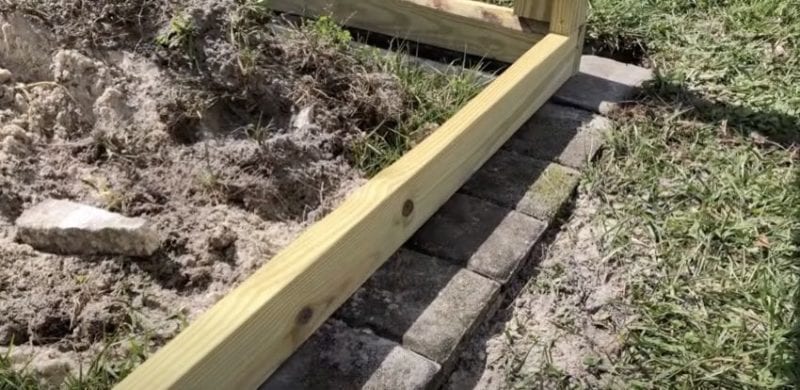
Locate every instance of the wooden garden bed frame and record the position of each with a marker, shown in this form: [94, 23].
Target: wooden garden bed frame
[244, 338]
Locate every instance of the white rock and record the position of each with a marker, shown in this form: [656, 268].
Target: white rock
[304, 120]
[64, 227]
[5, 76]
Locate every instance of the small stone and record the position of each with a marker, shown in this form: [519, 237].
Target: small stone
[5, 76]
[21, 102]
[779, 51]
[601, 297]
[221, 238]
[758, 138]
[65, 227]
[304, 120]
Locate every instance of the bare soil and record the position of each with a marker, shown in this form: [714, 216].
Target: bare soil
[565, 327]
[198, 115]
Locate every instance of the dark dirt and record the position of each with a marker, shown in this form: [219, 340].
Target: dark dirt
[229, 136]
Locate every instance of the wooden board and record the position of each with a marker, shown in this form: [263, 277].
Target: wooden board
[464, 26]
[240, 341]
[534, 9]
[568, 16]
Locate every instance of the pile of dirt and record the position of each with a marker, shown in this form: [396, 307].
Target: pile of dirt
[228, 133]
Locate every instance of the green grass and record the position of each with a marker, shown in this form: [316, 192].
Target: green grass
[700, 190]
[12, 378]
[122, 352]
[437, 97]
[701, 185]
[436, 93]
[706, 223]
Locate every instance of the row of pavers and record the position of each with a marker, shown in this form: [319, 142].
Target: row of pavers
[404, 328]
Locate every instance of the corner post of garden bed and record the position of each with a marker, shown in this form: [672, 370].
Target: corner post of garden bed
[566, 17]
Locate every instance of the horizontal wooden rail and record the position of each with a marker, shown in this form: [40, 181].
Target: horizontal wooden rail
[240, 341]
[464, 26]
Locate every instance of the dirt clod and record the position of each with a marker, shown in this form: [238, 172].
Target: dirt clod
[221, 238]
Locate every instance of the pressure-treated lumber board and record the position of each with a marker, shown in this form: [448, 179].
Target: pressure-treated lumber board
[464, 26]
[240, 341]
[568, 16]
[534, 9]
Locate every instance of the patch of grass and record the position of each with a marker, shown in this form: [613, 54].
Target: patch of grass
[247, 23]
[122, 352]
[438, 95]
[740, 52]
[12, 378]
[179, 35]
[700, 191]
[107, 369]
[700, 184]
[328, 32]
[704, 223]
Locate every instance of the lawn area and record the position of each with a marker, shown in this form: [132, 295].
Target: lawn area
[700, 191]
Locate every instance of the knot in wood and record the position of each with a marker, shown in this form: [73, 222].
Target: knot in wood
[408, 208]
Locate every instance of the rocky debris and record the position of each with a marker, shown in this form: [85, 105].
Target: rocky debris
[65, 227]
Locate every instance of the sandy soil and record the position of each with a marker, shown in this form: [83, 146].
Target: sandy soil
[564, 329]
[229, 137]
